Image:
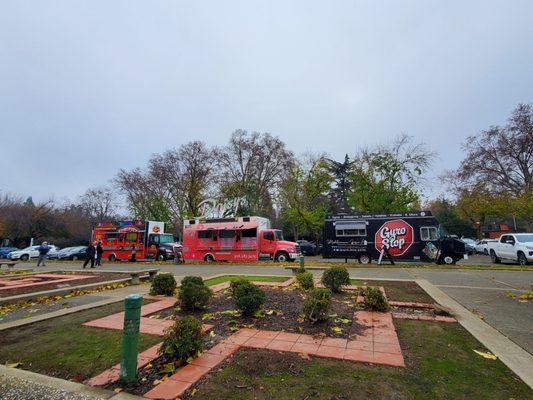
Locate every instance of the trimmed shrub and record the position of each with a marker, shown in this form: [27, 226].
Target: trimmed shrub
[374, 299]
[248, 297]
[335, 277]
[305, 280]
[192, 279]
[163, 284]
[236, 283]
[316, 305]
[184, 339]
[194, 294]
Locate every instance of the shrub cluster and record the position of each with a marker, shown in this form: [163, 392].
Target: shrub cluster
[194, 294]
[248, 297]
[335, 277]
[305, 280]
[163, 284]
[184, 339]
[375, 300]
[316, 305]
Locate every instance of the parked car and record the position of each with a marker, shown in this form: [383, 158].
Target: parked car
[29, 252]
[470, 245]
[72, 253]
[514, 247]
[4, 251]
[481, 246]
[308, 248]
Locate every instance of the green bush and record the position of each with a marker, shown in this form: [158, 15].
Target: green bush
[316, 305]
[197, 280]
[248, 297]
[335, 277]
[184, 339]
[305, 280]
[236, 283]
[163, 284]
[374, 299]
[194, 294]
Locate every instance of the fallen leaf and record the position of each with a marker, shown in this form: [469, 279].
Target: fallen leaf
[488, 355]
[117, 390]
[14, 365]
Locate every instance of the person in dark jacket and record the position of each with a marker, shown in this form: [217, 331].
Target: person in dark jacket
[99, 252]
[43, 251]
[91, 251]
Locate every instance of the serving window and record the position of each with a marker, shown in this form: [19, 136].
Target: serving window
[428, 233]
[350, 229]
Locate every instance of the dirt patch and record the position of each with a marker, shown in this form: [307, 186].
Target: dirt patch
[399, 291]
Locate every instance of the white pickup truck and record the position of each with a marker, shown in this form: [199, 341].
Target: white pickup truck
[514, 247]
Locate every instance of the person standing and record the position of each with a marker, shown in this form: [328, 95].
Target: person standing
[99, 252]
[43, 251]
[133, 254]
[91, 250]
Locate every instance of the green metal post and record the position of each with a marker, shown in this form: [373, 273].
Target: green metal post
[130, 338]
[302, 262]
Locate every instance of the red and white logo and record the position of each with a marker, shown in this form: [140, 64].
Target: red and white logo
[396, 236]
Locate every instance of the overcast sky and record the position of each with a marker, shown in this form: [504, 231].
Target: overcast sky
[88, 87]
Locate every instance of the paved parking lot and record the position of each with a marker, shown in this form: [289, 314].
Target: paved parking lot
[485, 292]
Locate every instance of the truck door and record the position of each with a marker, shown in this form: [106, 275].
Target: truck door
[268, 243]
[506, 246]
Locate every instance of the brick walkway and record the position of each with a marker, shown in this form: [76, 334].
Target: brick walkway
[378, 344]
[36, 280]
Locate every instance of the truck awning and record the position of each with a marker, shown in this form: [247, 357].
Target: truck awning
[350, 225]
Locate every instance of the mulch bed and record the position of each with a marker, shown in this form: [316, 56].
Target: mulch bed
[95, 278]
[281, 313]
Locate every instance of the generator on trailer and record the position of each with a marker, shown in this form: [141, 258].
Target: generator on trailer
[410, 236]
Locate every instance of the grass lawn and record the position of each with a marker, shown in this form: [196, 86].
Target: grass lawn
[63, 348]
[398, 290]
[441, 364]
[225, 278]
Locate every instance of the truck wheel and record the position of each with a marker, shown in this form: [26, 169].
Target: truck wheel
[161, 257]
[24, 257]
[494, 258]
[281, 257]
[522, 260]
[365, 258]
[209, 258]
[449, 260]
[112, 258]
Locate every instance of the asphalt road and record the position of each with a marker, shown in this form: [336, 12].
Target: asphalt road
[484, 292]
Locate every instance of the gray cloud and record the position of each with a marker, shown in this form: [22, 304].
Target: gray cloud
[88, 87]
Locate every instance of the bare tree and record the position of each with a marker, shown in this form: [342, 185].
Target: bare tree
[100, 203]
[252, 166]
[173, 184]
[502, 156]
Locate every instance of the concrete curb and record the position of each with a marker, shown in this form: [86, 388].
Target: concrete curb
[56, 383]
[513, 356]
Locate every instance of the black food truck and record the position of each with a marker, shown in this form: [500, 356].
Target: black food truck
[412, 236]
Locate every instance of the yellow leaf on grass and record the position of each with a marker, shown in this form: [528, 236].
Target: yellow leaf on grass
[336, 329]
[14, 365]
[488, 355]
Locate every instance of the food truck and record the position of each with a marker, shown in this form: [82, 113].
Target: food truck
[145, 239]
[404, 236]
[235, 239]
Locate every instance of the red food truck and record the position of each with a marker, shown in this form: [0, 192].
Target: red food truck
[235, 239]
[145, 239]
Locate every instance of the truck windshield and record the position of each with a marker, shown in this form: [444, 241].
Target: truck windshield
[166, 238]
[524, 238]
[279, 235]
